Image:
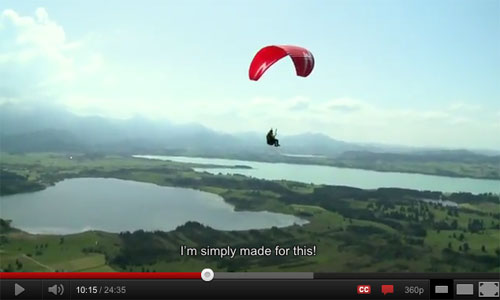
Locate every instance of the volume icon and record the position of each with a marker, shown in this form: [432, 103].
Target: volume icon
[56, 289]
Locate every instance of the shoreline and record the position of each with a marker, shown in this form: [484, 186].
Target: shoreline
[302, 161]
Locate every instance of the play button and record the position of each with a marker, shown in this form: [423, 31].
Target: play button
[18, 290]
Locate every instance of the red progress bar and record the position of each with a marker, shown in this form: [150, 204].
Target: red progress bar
[100, 275]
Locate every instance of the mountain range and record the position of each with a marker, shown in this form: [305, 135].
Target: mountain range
[50, 128]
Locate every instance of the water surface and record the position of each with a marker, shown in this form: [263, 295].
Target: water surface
[365, 179]
[113, 205]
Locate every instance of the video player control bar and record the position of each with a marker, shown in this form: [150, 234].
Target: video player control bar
[209, 285]
[217, 289]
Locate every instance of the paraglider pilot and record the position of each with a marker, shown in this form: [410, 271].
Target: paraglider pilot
[271, 138]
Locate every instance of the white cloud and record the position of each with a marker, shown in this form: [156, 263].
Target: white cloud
[462, 106]
[344, 105]
[36, 58]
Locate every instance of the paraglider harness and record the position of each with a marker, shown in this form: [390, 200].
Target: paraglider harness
[271, 138]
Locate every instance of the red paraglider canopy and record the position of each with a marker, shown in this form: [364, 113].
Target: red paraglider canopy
[267, 56]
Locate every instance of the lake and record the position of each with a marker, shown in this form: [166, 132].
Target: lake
[365, 179]
[113, 205]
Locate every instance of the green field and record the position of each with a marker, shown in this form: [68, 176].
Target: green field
[354, 230]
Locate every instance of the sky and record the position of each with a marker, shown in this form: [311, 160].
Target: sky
[417, 73]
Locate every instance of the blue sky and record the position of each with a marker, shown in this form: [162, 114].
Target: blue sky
[421, 73]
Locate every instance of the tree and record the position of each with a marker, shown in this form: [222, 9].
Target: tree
[461, 237]
[449, 245]
[19, 264]
[475, 225]
[466, 247]
[9, 268]
[483, 248]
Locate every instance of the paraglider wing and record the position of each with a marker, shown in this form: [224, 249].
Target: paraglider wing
[267, 56]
